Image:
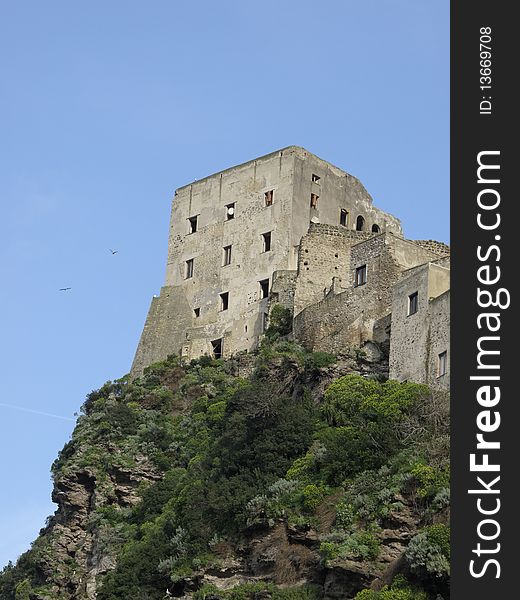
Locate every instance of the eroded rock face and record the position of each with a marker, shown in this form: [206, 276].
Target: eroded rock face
[289, 555]
[343, 582]
[75, 553]
[282, 554]
[284, 560]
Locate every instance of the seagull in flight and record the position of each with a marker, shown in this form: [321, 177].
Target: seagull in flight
[113, 251]
[64, 289]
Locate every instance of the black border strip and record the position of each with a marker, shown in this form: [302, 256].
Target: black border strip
[483, 128]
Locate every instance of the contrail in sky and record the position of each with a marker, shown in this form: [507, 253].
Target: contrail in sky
[36, 412]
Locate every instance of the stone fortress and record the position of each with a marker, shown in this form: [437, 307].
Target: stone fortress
[291, 229]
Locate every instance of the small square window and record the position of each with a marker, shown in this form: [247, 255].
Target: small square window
[188, 273]
[314, 200]
[442, 364]
[315, 178]
[224, 301]
[230, 211]
[196, 312]
[193, 224]
[266, 238]
[413, 303]
[226, 257]
[265, 321]
[343, 217]
[268, 196]
[264, 288]
[361, 275]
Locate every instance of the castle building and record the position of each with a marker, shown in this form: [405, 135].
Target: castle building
[287, 228]
[230, 233]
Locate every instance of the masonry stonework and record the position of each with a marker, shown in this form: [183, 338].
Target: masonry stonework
[324, 256]
[419, 338]
[287, 228]
[359, 312]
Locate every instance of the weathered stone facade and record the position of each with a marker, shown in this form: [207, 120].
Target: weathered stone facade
[213, 298]
[354, 313]
[291, 229]
[420, 337]
[324, 262]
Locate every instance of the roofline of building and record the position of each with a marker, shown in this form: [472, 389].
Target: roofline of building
[427, 264]
[293, 150]
[386, 233]
[444, 257]
[440, 296]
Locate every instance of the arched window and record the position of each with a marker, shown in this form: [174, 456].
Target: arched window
[376, 228]
[360, 223]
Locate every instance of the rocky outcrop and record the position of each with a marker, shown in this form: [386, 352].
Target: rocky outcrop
[288, 555]
[75, 550]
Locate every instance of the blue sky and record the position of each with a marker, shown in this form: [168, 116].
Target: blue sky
[107, 107]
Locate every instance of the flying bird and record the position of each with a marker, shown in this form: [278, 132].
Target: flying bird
[64, 289]
[113, 251]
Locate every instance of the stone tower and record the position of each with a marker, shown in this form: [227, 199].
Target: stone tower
[233, 234]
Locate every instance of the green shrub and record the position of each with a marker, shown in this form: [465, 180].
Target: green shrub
[349, 450]
[441, 499]
[371, 494]
[305, 468]
[64, 455]
[318, 360]
[291, 499]
[250, 591]
[353, 399]
[431, 480]
[428, 553]
[23, 590]
[439, 535]
[312, 496]
[368, 422]
[345, 516]
[361, 544]
[280, 322]
[329, 551]
[399, 590]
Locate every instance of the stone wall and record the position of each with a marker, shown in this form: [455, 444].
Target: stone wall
[283, 288]
[358, 314]
[336, 190]
[164, 330]
[324, 254]
[439, 340]
[445, 261]
[417, 339]
[436, 247]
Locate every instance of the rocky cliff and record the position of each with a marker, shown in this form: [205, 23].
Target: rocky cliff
[285, 474]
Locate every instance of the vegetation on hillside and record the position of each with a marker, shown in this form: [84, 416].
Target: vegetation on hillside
[236, 454]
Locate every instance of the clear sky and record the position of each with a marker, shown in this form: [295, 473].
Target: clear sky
[107, 107]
